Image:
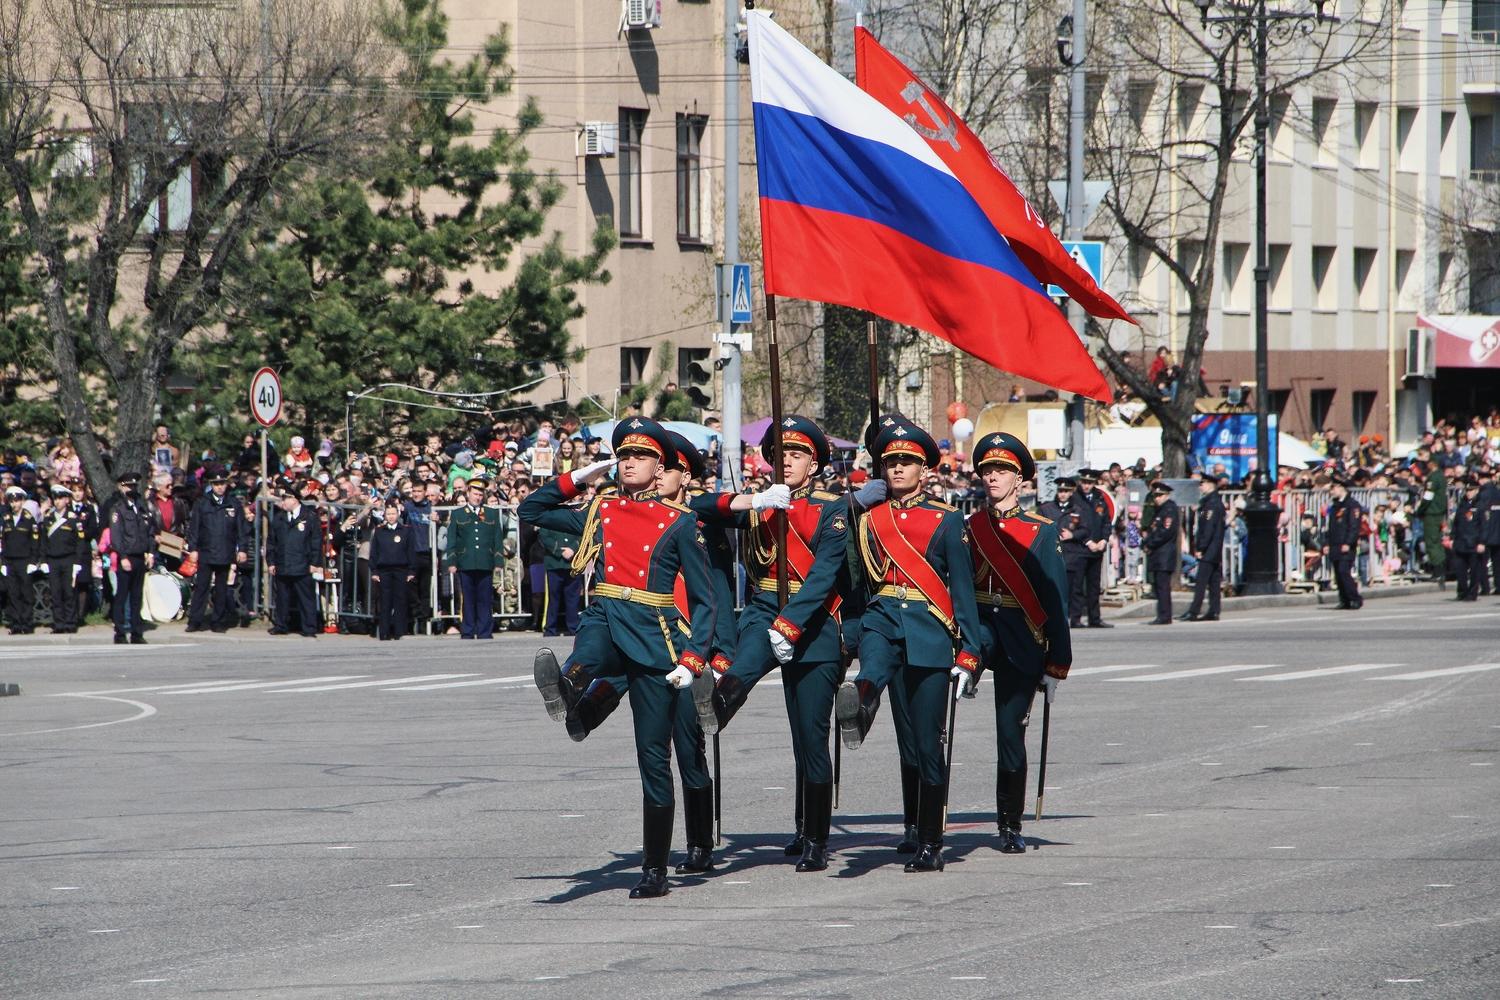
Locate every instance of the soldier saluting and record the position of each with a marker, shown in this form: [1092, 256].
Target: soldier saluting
[803, 637]
[1020, 585]
[634, 544]
[65, 552]
[920, 625]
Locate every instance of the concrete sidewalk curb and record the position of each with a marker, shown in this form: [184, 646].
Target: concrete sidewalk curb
[1180, 600]
[174, 635]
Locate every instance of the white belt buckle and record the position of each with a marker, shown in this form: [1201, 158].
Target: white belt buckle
[901, 591]
[626, 592]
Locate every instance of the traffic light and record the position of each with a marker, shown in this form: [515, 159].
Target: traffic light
[697, 376]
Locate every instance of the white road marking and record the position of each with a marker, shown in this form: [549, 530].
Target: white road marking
[1155, 814]
[543, 979]
[1439, 885]
[1422, 675]
[1481, 763]
[571, 816]
[1459, 618]
[107, 930]
[1364, 744]
[1220, 927]
[159, 687]
[1078, 883]
[1297, 675]
[1406, 980]
[1114, 744]
[146, 711]
[838, 925]
[252, 685]
[468, 927]
[1209, 763]
[65, 888]
[366, 684]
[1283, 847]
[1173, 675]
[340, 847]
[774, 788]
[1110, 668]
[1330, 788]
[70, 651]
[464, 684]
[399, 885]
[133, 981]
[745, 882]
[967, 979]
[1260, 727]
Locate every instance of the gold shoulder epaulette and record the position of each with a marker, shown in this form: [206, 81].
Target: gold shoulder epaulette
[825, 495]
[674, 505]
[940, 505]
[1037, 517]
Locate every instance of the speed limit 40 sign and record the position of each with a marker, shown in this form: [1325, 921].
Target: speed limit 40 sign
[265, 397]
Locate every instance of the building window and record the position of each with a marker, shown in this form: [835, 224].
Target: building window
[1325, 279]
[1140, 94]
[690, 177]
[1320, 406]
[1280, 129]
[1366, 142]
[1484, 151]
[630, 153]
[157, 136]
[1447, 146]
[1406, 296]
[1276, 403]
[633, 362]
[1280, 293]
[1189, 255]
[1366, 287]
[1485, 20]
[1323, 133]
[1407, 155]
[1237, 277]
[1364, 405]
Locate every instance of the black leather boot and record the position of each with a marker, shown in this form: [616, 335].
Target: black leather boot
[656, 826]
[929, 830]
[855, 706]
[698, 817]
[593, 708]
[1010, 802]
[729, 695]
[793, 847]
[560, 691]
[911, 792]
[819, 816]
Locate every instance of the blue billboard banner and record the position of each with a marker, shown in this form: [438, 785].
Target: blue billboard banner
[1227, 439]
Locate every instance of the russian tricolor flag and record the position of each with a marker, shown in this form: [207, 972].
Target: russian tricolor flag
[858, 210]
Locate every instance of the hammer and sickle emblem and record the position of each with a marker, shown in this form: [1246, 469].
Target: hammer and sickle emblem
[915, 93]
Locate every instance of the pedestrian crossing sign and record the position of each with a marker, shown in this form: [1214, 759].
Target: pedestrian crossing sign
[1087, 254]
[739, 296]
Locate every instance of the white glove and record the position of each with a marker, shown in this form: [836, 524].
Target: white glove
[781, 647]
[965, 680]
[30, 569]
[4, 571]
[681, 677]
[777, 497]
[46, 570]
[589, 473]
[871, 493]
[1049, 685]
[77, 572]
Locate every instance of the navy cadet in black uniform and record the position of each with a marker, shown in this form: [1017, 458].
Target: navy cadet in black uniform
[393, 564]
[1208, 548]
[1020, 584]
[293, 547]
[65, 553]
[1093, 538]
[1466, 532]
[803, 637]
[20, 550]
[132, 536]
[1489, 502]
[635, 544]
[1341, 543]
[920, 625]
[1162, 542]
[217, 533]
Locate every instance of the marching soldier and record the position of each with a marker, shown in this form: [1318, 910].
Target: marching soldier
[802, 638]
[1208, 548]
[216, 532]
[20, 550]
[393, 564]
[65, 551]
[1020, 584]
[634, 543]
[920, 626]
[1467, 538]
[1341, 542]
[476, 539]
[293, 547]
[1162, 544]
[1089, 537]
[132, 536]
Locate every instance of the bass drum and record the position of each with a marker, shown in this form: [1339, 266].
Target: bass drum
[163, 597]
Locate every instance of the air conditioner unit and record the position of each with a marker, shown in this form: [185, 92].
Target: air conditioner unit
[1421, 352]
[598, 139]
[642, 14]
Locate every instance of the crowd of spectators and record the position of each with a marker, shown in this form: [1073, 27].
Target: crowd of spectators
[430, 473]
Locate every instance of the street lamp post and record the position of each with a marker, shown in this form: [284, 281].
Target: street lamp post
[1264, 26]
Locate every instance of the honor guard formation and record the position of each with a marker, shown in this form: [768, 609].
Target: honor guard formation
[924, 599]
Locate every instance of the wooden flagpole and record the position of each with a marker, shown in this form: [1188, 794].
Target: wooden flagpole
[783, 586]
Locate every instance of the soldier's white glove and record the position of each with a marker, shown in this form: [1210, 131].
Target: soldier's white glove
[46, 570]
[77, 572]
[777, 497]
[31, 568]
[781, 647]
[681, 677]
[4, 571]
[871, 493]
[589, 473]
[1049, 685]
[965, 679]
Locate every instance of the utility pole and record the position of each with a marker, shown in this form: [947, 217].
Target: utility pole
[730, 358]
[1077, 201]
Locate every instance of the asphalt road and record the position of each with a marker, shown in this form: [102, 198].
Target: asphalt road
[1288, 803]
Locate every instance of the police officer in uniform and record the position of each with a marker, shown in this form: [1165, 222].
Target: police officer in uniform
[1467, 537]
[1489, 502]
[1020, 585]
[1161, 544]
[294, 545]
[132, 535]
[476, 539]
[634, 545]
[919, 627]
[802, 638]
[1208, 547]
[88, 516]
[1341, 543]
[65, 552]
[1054, 509]
[20, 551]
[393, 564]
[216, 532]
